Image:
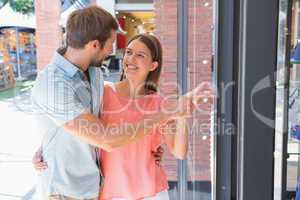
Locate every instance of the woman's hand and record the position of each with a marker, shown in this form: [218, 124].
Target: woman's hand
[158, 155]
[183, 106]
[38, 162]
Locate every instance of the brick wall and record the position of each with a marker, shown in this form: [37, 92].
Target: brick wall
[48, 32]
[200, 48]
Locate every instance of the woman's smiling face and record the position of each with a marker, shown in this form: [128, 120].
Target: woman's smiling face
[137, 61]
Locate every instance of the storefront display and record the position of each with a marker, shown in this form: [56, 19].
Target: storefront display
[18, 44]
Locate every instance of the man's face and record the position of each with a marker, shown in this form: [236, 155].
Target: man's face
[102, 53]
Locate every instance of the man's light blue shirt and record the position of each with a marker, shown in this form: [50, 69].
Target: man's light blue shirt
[62, 93]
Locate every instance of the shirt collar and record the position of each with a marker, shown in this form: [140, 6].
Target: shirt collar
[65, 65]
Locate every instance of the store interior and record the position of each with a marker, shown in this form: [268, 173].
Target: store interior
[17, 55]
[17, 46]
[134, 23]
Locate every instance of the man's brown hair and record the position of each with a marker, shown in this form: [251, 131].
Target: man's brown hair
[87, 24]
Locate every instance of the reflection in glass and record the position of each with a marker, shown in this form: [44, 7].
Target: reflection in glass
[200, 159]
[281, 101]
[287, 151]
[293, 148]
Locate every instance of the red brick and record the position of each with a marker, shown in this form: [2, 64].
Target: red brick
[48, 32]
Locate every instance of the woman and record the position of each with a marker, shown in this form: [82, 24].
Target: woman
[130, 172]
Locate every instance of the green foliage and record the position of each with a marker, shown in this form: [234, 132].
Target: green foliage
[26, 7]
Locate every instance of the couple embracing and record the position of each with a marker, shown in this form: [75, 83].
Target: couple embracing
[103, 141]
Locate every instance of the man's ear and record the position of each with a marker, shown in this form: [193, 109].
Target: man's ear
[154, 66]
[93, 44]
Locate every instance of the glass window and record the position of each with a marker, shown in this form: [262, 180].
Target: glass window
[18, 48]
[9, 47]
[201, 141]
[287, 138]
[27, 53]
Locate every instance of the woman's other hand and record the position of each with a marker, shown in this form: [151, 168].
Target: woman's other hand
[38, 162]
[158, 154]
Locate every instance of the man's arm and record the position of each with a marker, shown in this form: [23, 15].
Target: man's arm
[58, 100]
[91, 130]
[65, 104]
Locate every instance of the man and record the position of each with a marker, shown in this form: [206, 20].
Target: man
[68, 94]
